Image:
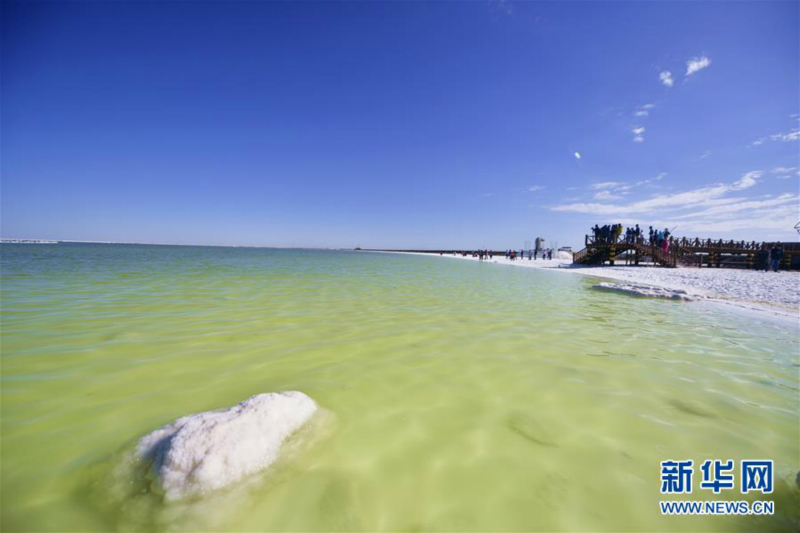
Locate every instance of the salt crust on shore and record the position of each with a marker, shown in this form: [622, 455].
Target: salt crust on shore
[206, 451]
[777, 293]
[645, 291]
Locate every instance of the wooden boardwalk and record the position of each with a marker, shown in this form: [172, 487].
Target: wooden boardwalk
[689, 253]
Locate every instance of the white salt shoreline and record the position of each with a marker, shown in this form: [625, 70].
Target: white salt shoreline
[767, 293]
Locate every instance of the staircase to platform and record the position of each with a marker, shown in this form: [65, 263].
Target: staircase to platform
[597, 253]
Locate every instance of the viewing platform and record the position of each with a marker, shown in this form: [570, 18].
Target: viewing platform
[688, 252]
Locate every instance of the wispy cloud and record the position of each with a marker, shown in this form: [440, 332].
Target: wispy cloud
[643, 110]
[637, 134]
[666, 78]
[771, 213]
[716, 209]
[577, 155]
[536, 188]
[660, 177]
[784, 173]
[701, 197]
[607, 185]
[777, 218]
[783, 170]
[609, 190]
[697, 64]
[792, 135]
[736, 207]
[789, 136]
[705, 154]
[747, 180]
[606, 195]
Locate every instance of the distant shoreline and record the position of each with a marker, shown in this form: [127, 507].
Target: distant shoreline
[57, 241]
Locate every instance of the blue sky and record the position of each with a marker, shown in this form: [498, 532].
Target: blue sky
[398, 124]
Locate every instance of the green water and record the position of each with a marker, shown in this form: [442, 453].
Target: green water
[458, 395]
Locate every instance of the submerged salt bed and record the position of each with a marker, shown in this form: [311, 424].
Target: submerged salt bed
[646, 291]
[765, 291]
[206, 451]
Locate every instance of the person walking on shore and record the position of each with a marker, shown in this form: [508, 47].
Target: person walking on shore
[775, 256]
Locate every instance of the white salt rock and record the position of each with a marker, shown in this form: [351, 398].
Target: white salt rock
[207, 451]
[646, 291]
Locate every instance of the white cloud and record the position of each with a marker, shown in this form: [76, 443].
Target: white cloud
[771, 213]
[535, 188]
[784, 173]
[697, 64]
[666, 78]
[781, 218]
[637, 134]
[577, 155]
[702, 197]
[607, 185]
[742, 205]
[660, 177]
[747, 181]
[620, 187]
[606, 195]
[792, 135]
[705, 154]
[643, 110]
[783, 170]
[789, 136]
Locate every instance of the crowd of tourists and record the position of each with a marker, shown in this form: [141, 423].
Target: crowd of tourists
[613, 233]
[511, 255]
[533, 255]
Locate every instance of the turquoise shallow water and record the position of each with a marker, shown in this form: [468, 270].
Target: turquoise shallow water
[458, 395]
